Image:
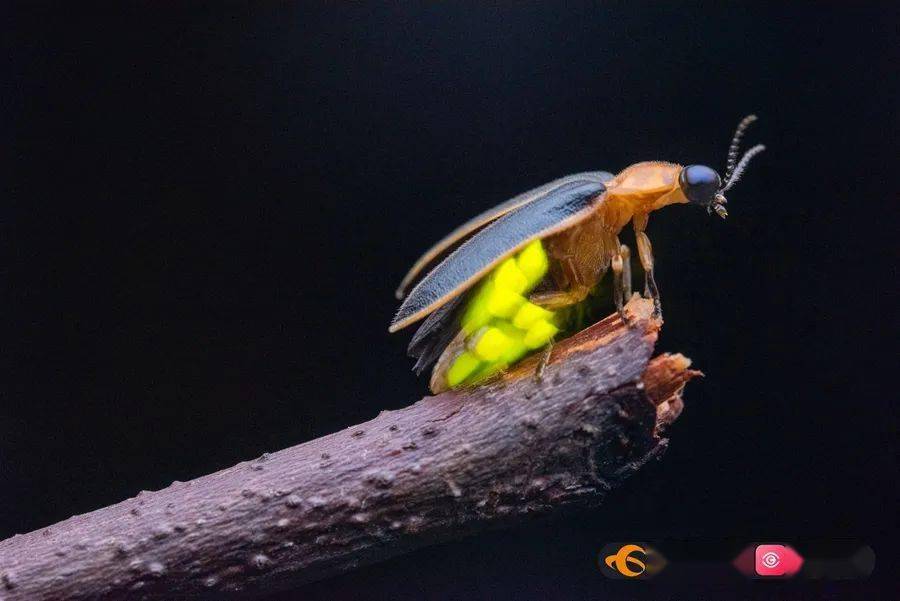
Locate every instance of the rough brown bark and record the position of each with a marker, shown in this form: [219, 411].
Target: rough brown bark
[446, 466]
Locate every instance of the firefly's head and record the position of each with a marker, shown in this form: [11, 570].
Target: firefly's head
[702, 186]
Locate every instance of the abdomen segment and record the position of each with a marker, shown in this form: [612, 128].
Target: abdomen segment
[499, 324]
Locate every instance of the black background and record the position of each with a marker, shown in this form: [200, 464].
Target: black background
[207, 210]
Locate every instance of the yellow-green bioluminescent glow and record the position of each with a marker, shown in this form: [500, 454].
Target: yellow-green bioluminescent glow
[500, 323]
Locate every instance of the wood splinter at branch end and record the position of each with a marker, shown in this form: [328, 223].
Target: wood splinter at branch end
[444, 467]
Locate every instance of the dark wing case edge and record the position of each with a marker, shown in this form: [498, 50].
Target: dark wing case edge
[563, 207]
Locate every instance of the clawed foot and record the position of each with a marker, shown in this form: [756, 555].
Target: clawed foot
[630, 323]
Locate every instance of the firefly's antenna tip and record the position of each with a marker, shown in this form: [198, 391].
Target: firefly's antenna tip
[734, 167]
[735, 145]
[742, 166]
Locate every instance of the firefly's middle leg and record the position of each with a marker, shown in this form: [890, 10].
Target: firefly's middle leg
[625, 252]
[621, 277]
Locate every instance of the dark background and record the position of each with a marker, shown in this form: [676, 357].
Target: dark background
[207, 211]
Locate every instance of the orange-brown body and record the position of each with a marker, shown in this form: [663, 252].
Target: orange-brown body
[583, 253]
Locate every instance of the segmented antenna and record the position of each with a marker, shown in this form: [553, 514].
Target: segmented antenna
[736, 144]
[741, 166]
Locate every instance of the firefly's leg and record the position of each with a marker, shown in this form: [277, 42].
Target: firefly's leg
[553, 301]
[545, 359]
[626, 272]
[618, 293]
[645, 252]
[559, 299]
[621, 277]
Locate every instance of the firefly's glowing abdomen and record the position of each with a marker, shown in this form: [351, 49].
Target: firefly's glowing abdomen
[500, 323]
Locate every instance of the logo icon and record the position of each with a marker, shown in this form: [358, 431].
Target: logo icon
[770, 560]
[629, 561]
[777, 560]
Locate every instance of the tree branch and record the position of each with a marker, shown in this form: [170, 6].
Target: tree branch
[446, 466]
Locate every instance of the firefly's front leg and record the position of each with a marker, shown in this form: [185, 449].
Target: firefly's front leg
[645, 252]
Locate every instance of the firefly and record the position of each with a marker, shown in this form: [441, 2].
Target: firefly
[518, 275]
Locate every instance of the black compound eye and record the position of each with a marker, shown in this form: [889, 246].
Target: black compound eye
[699, 184]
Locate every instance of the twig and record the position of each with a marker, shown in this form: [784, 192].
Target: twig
[446, 466]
